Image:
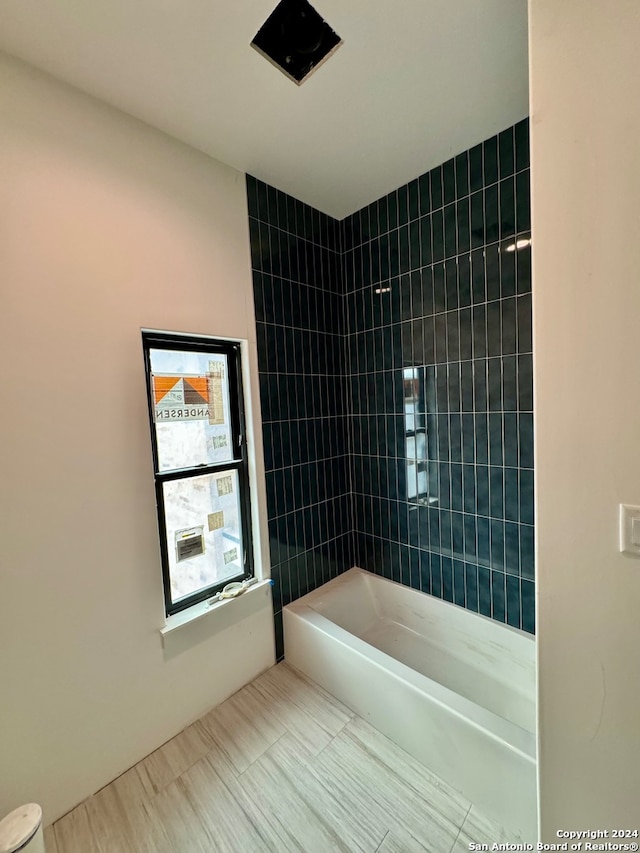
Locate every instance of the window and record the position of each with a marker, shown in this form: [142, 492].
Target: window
[200, 462]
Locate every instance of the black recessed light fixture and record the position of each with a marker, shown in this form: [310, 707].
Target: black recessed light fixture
[296, 39]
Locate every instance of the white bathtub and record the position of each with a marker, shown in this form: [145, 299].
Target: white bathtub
[454, 689]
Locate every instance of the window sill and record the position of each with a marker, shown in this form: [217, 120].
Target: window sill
[196, 623]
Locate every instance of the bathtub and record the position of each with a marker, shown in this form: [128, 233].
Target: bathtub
[454, 689]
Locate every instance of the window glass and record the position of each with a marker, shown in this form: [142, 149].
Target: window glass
[201, 474]
[190, 408]
[203, 531]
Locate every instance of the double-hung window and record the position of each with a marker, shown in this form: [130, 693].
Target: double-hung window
[200, 463]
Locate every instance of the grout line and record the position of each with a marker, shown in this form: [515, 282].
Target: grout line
[460, 830]
[383, 840]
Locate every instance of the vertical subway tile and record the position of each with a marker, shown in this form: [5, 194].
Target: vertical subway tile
[523, 202]
[513, 599]
[492, 271]
[475, 168]
[458, 310]
[491, 214]
[496, 492]
[451, 284]
[511, 494]
[523, 270]
[464, 280]
[484, 591]
[435, 570]
[494, 384]
[498, 610]
[508, 284]
[490, 160]
[447, 578]
[425, 194]
[484, 541]
[439, 289]
[527, 550]
[506, 152]
[478, 282]
[528, 606]
[482, 438]
[512, 547]
[435, 180]
[462, 174]
[511, 438]
[437, 235]
[458, 583]
[450, 231]
[482, 489]
[494, 328]
[470, 537]
[507, 196]
[509, 383]
[521, 134]
[449, 181]
[471, 586]
[457, 534]
[526, 496]
[496, 453]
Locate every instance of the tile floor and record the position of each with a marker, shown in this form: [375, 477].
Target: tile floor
[280, 766]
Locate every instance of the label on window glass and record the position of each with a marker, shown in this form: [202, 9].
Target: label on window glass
[224, 485]
[189, 543]
[230, 556]
[216, 520]
[182, 398]
[216, 395]
[218, 442]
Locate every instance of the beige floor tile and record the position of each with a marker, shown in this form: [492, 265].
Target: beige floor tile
[462, 844]
[400, 842]
[73, 832]
[121, 822]
[243, 728]
[50, 842]
[287, 771]
[220, 822]
[440, 796]
[480, 829]
[375, 787]
[163, 766]
[304, 708]
[295, 810]
[281, 767]
[180, 821]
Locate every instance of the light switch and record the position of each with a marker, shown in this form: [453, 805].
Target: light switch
[630, 529]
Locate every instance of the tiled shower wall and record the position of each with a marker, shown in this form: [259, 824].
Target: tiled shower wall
[438, 291]
[297, 279]
[394, 351]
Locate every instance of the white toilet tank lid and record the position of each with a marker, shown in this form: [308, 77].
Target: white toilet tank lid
[19, 826]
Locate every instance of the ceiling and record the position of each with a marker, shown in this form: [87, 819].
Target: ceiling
[414, 82]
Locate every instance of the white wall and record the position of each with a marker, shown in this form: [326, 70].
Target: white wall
[106, 226]
[585, 76]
